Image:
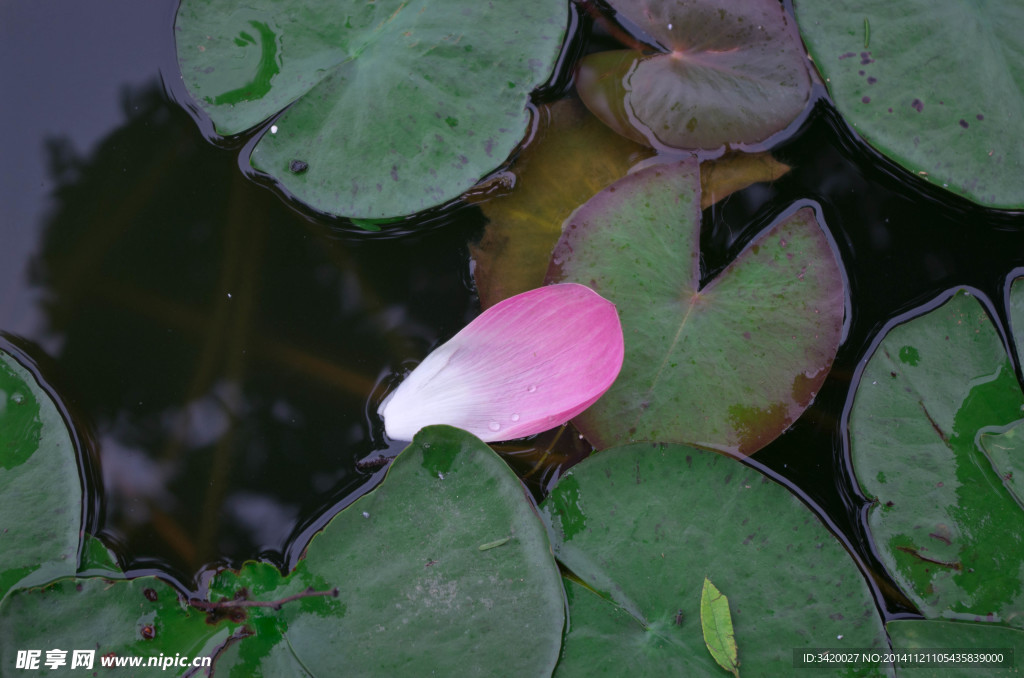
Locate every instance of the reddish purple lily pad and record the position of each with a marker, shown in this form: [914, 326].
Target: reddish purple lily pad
[726, 73]
[728, 366]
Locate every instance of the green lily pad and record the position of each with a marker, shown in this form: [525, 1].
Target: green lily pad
[424, 598]
[944, 523]
[40, 491]
[729, 72]
[390, 107]
[727, 366]
[643, 525]
[443, 568]
[936, 85]
[143, 617]
[927, 636]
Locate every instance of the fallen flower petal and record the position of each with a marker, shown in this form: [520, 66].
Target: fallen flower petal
[527, 364]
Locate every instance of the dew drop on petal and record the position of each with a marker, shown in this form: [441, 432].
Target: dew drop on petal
[515, 417]
[531, 388]
[494, 426]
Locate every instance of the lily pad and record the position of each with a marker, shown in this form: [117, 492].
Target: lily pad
[936, 85]
[142, 617]
[425, 598]
[390, 107]
[727, 366]
[418, 592]
[40, 491]
[728, 73]
[945, 525]
[643, 525]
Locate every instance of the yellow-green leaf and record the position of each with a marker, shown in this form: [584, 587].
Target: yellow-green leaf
[735, 171]
[571, 158]
[716, 623]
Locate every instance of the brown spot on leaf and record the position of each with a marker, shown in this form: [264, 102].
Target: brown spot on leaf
[805, 388]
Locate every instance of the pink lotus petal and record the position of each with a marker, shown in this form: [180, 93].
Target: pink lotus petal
[527, 364]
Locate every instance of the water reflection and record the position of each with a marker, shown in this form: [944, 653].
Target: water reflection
[223, 347]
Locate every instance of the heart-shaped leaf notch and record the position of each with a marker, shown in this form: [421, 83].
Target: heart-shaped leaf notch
[727, 73]
[728, 366]
[393, 106]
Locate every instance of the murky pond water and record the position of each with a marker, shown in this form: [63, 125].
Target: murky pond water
[215, 349]
[220, 354]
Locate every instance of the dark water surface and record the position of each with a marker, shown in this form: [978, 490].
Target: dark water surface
[215, 349]
[220, 354]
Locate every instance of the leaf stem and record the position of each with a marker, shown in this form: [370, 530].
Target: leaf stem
[207, 606]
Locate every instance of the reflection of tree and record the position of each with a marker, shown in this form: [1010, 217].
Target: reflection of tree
[223, 346]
